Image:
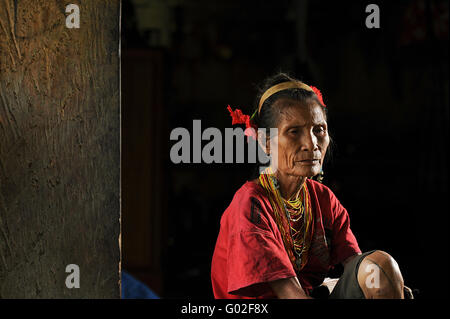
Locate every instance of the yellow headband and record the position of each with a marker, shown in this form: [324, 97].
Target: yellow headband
[280, 87]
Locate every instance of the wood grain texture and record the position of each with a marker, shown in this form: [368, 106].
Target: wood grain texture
[59, 149]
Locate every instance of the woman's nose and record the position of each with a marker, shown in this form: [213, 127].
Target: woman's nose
[309, 142]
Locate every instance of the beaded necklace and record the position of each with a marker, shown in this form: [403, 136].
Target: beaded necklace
[296, 241]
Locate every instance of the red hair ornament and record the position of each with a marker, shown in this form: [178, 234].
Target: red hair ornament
[237, 117]
[318, 93]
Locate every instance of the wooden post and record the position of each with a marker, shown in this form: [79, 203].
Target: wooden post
[59, 149]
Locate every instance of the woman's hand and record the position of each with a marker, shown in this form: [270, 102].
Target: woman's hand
[330, 283]
[408, 293]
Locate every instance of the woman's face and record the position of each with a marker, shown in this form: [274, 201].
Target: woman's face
[302, 139]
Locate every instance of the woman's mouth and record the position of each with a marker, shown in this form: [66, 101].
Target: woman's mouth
[310, 162]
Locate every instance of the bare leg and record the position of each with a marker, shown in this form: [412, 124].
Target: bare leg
[379, 277]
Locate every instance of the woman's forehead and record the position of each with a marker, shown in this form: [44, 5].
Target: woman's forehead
[298, 112]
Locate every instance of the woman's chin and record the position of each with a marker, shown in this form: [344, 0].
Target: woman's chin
[309, 171]
[302, 170]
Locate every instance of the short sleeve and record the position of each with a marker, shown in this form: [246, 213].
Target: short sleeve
[343, 242]
[255, 253]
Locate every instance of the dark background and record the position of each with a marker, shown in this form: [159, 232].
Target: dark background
[387, 94]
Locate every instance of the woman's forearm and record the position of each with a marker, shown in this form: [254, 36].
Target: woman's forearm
[288, 288]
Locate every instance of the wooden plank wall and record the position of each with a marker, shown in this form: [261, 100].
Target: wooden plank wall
[59, 149]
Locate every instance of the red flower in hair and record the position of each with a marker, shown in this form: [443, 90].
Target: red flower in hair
[318, 93]
[237, 117]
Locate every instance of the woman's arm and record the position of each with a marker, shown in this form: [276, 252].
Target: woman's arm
[288, 288]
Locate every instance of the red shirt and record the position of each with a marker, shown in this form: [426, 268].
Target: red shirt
[250, 252]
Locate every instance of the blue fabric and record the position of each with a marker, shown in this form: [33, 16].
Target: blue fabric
[132, 288]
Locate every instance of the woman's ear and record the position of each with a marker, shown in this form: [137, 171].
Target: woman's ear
[264, 141]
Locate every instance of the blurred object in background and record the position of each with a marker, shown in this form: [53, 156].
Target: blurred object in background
[154, 21]
[144, 198]
[135, 289]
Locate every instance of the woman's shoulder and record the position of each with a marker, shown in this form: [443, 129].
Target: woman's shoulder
[250, 189]
[249, 210]
[250, 194]
[317, 186]
[320, 190]
[324, 197]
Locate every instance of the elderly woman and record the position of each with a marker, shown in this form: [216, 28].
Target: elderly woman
[283, 231]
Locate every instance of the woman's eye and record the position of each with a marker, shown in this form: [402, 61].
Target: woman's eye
[320, 130]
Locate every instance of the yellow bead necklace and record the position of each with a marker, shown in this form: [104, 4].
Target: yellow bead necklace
[287, 212]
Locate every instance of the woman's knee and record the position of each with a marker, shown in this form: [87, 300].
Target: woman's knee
[379, 276]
